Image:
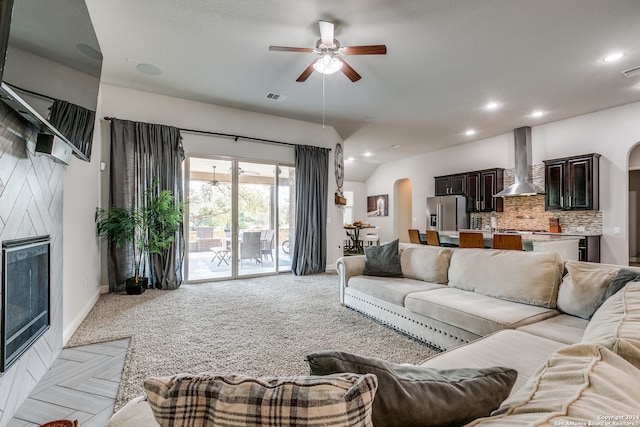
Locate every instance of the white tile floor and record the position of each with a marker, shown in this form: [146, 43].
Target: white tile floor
[81, 385]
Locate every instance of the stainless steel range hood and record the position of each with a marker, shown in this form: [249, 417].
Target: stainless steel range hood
[522, 142]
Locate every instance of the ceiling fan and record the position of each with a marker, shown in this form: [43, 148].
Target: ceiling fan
[330, 54]
[214, 182]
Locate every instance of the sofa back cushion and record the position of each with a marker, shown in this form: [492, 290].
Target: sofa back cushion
[582, 383]
[429, 264]
[209, 399]
[583, 287]
[526, 277]
[617, 317]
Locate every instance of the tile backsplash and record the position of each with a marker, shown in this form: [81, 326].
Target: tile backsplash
[527, 212]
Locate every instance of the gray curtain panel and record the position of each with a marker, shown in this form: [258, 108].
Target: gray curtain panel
[312, 180]
[75, 122]
[142, 154]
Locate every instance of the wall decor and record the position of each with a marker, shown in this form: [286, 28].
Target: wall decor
[378, 205]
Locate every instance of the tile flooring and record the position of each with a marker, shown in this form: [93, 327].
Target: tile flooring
[82, 385]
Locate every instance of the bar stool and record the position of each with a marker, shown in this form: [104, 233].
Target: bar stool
[507, 241]
[414, 236]
[433, 238]
[471, 239]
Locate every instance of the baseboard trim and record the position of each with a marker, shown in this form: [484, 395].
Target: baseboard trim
[68, 331]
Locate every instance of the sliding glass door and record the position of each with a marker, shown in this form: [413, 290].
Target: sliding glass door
[240, 217]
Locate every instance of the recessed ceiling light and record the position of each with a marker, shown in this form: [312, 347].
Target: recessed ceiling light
[149, 69]
[613, 57]
[367, 154]
[350, 159]
[470, 132]
[492, 105]
[537, 113]
[395, 146]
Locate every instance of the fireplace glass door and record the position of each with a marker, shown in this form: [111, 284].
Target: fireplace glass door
[25, 295]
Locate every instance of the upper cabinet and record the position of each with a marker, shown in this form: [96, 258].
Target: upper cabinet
[451, 185]
[478, 186]
[571, 183]
[491, 182]
[481, 186]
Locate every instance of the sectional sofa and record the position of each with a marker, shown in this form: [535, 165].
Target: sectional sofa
[570, 329]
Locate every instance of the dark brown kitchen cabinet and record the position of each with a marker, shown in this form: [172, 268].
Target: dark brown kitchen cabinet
[451, 185]
[473, 192]
[491, 182]
[572, 183]
[481, 186]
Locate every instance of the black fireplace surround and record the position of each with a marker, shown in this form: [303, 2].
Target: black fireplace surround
[25, 295]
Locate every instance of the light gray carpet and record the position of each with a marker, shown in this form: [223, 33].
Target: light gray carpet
[260, 326]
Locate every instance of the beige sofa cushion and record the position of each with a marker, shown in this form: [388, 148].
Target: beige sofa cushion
[583, 287]
[136, 413]
[617, 317]
[563, 328]
[393, 290]
[518, 350]
[430, 264]
[474, 312]
[526, 277]
[581, 383]
[237, 400]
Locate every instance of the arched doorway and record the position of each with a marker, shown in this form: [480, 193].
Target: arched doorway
[634, 206]
[403, 209]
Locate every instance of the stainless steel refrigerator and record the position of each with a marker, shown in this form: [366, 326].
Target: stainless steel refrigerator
[447, 213]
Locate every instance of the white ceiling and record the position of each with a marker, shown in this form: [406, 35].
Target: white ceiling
[446, 59]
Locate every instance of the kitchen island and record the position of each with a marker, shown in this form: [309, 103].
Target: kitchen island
[565, 245]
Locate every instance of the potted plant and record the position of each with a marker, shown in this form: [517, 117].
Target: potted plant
[150, 227]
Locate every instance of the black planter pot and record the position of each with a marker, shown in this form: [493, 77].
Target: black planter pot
[136, 288]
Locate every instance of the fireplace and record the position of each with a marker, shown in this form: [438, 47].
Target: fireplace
[25, 295]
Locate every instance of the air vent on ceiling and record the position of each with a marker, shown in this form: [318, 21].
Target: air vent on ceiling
[632, 72]
[275, 97]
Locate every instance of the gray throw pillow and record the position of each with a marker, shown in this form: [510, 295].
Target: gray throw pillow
[618, 282]
[623, 277]
[417, 396]
[383, 260]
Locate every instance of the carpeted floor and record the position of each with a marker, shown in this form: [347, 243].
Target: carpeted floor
[260, 326]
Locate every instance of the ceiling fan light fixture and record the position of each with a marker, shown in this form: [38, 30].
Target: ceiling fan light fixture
[327, 65]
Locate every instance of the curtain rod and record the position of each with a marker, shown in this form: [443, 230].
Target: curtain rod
[227, 135]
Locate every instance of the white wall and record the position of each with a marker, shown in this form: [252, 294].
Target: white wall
[81, 251]
[359, 199]
[612, 133]
[81, 255]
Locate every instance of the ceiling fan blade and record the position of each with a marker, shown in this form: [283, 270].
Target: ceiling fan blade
[326, 32]
[306, 73]
[377, 49]
[290, 49]
[348, 71]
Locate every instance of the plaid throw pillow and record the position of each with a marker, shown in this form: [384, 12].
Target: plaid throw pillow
[237, 400]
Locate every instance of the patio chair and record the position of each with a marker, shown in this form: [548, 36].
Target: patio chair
[267, 244]
[250, 247]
